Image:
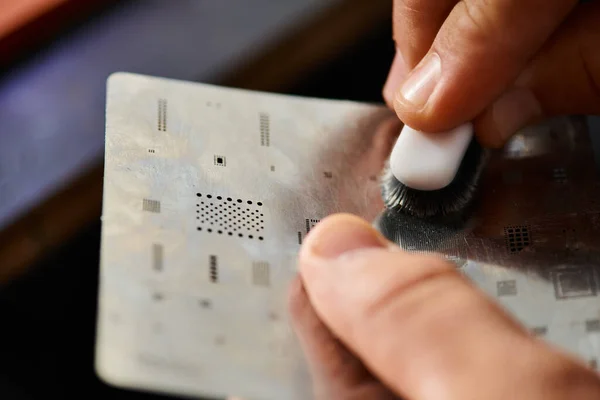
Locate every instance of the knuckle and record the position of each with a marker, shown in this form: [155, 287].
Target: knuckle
[408, 8]
[478, 19]
[486, 25]
[405, 13]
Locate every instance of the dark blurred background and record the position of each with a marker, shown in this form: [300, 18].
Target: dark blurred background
[55, 56]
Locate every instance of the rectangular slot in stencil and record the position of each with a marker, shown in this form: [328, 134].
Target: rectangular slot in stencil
[265, 130]
[592, 325]
[157, 257]
[260, 274]
[151, 205]
[162, 115]
[213, 269]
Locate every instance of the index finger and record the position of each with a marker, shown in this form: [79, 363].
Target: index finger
[416, 23]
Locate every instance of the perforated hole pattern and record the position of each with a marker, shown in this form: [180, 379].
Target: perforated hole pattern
[230, 216]
[517, 238]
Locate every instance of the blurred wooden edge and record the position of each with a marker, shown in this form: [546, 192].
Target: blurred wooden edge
[78, 205]
[49, 225]
[15, 14]
[327, 37]
[28, 24]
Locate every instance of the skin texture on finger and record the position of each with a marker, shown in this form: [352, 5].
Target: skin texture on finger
[336, 373]
[415, 25]
[563, 79]
[422, 328]
[478, 52]
[398, 72]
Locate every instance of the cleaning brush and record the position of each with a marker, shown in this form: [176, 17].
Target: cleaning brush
[433, 174]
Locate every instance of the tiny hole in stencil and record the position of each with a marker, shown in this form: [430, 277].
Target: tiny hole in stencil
[205, 303]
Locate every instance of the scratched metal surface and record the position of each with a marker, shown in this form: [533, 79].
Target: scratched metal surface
[209, 193]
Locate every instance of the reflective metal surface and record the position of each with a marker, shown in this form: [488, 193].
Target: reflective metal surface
[209, 193]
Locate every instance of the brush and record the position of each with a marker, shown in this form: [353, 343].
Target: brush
[433, 174]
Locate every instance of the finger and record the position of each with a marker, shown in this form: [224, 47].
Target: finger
[479, 51]
[421, 327]
[398, 73]
[563, 79]
[415, 23]
[336, 373]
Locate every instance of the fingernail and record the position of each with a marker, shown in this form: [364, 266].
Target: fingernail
[421, 82]
[398, 72]
[514, 110]
[342, 235]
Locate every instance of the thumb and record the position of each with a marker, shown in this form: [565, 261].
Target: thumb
[563, 79]
[421, 328]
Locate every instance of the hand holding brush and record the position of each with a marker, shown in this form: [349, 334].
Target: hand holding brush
[467, 75]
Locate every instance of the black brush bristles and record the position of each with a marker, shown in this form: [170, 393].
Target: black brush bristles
[454, 198]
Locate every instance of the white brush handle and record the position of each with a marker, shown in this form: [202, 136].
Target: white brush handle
[429, 161]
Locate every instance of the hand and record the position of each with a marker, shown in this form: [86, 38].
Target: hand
[500, 63]
[378, 323]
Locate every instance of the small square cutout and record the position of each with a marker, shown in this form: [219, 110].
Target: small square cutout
[220, 161]
[592, 326]
[574, 283]
[506, 288]
[540, 330]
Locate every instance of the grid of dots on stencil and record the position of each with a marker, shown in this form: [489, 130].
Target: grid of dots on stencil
[228, 216]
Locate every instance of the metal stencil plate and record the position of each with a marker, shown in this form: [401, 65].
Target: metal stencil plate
[210, 191]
